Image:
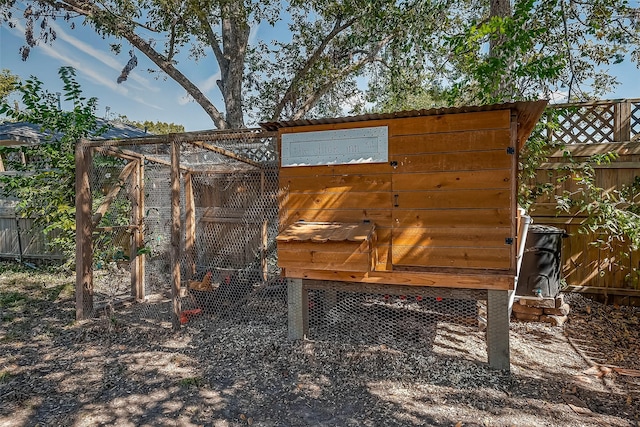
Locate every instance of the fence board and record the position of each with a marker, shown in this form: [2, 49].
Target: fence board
[585, 264]
[32, 240]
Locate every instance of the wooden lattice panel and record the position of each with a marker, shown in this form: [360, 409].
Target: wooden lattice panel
[635, 121]
[588, 124]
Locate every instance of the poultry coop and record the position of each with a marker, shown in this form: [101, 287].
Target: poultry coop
[399, 229]
[417, 207]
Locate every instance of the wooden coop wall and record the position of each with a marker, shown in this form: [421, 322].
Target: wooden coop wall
[447, 204]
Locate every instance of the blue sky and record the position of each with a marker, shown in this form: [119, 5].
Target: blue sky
[151, 96]
[143, 96]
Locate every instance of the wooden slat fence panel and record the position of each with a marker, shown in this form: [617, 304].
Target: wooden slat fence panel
[32, 243]
[584, 264]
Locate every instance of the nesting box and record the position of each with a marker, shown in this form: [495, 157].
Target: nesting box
[426, 198]
[328, 246]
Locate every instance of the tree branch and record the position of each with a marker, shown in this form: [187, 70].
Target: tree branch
[172, 43]
[568, 48]
[322, 90]
[181, 79]
[212, 40]
[120, 29]
[337, 29]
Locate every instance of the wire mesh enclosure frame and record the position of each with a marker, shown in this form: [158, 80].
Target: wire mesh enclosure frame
[401, 317]
[158, 216]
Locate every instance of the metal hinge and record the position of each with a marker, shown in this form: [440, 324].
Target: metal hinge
[508, 241]
[511, 150]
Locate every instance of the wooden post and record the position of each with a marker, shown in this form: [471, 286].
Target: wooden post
[137, 219]
[190, 225]
[498, 329]
[175, 234]
[84, 243]
[622, 121]
[264, 234]
[264, 242]
[549, 117]
[513, 250]
[142, 258]
[297, 309]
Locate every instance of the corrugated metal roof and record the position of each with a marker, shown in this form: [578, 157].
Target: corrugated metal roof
[528, 112]
[399, 114]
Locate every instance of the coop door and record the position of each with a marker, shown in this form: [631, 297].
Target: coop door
[454, 208]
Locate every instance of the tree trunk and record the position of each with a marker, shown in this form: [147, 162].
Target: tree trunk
[502, 9]
[235, 37]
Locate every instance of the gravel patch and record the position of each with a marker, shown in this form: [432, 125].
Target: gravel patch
[128, 371]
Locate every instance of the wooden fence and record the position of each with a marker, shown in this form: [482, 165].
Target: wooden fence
[588, 129]
[20, 240]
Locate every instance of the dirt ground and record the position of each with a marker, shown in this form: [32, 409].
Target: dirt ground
[125, 371]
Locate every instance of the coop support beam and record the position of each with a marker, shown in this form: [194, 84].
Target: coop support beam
[212, 135]
[175, 234]
[115, 152]
[132, 155]
[410, 278]
[137, 233]
[498, 329]
[298, 309]
[84, 246]
[190, 225]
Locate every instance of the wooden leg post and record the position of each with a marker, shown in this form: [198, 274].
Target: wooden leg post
[298, 309]
[498, 329]
[84, 228]
[175, 235]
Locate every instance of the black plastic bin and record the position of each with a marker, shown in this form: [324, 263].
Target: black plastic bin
[542, 262]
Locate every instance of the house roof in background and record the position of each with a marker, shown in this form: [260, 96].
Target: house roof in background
[24, 133]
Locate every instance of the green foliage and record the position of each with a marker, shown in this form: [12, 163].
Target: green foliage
[45, 185]
[335, 57]
[5, 376]
[612, 215]
[191, 382]
[156, 128]
[542, 48]
[8, 83]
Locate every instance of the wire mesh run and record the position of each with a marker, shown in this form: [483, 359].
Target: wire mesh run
[430, 320]
[228, 223]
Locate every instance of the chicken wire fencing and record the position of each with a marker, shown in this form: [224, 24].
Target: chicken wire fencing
[449, 322]
[228, 222]
[228, 186]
